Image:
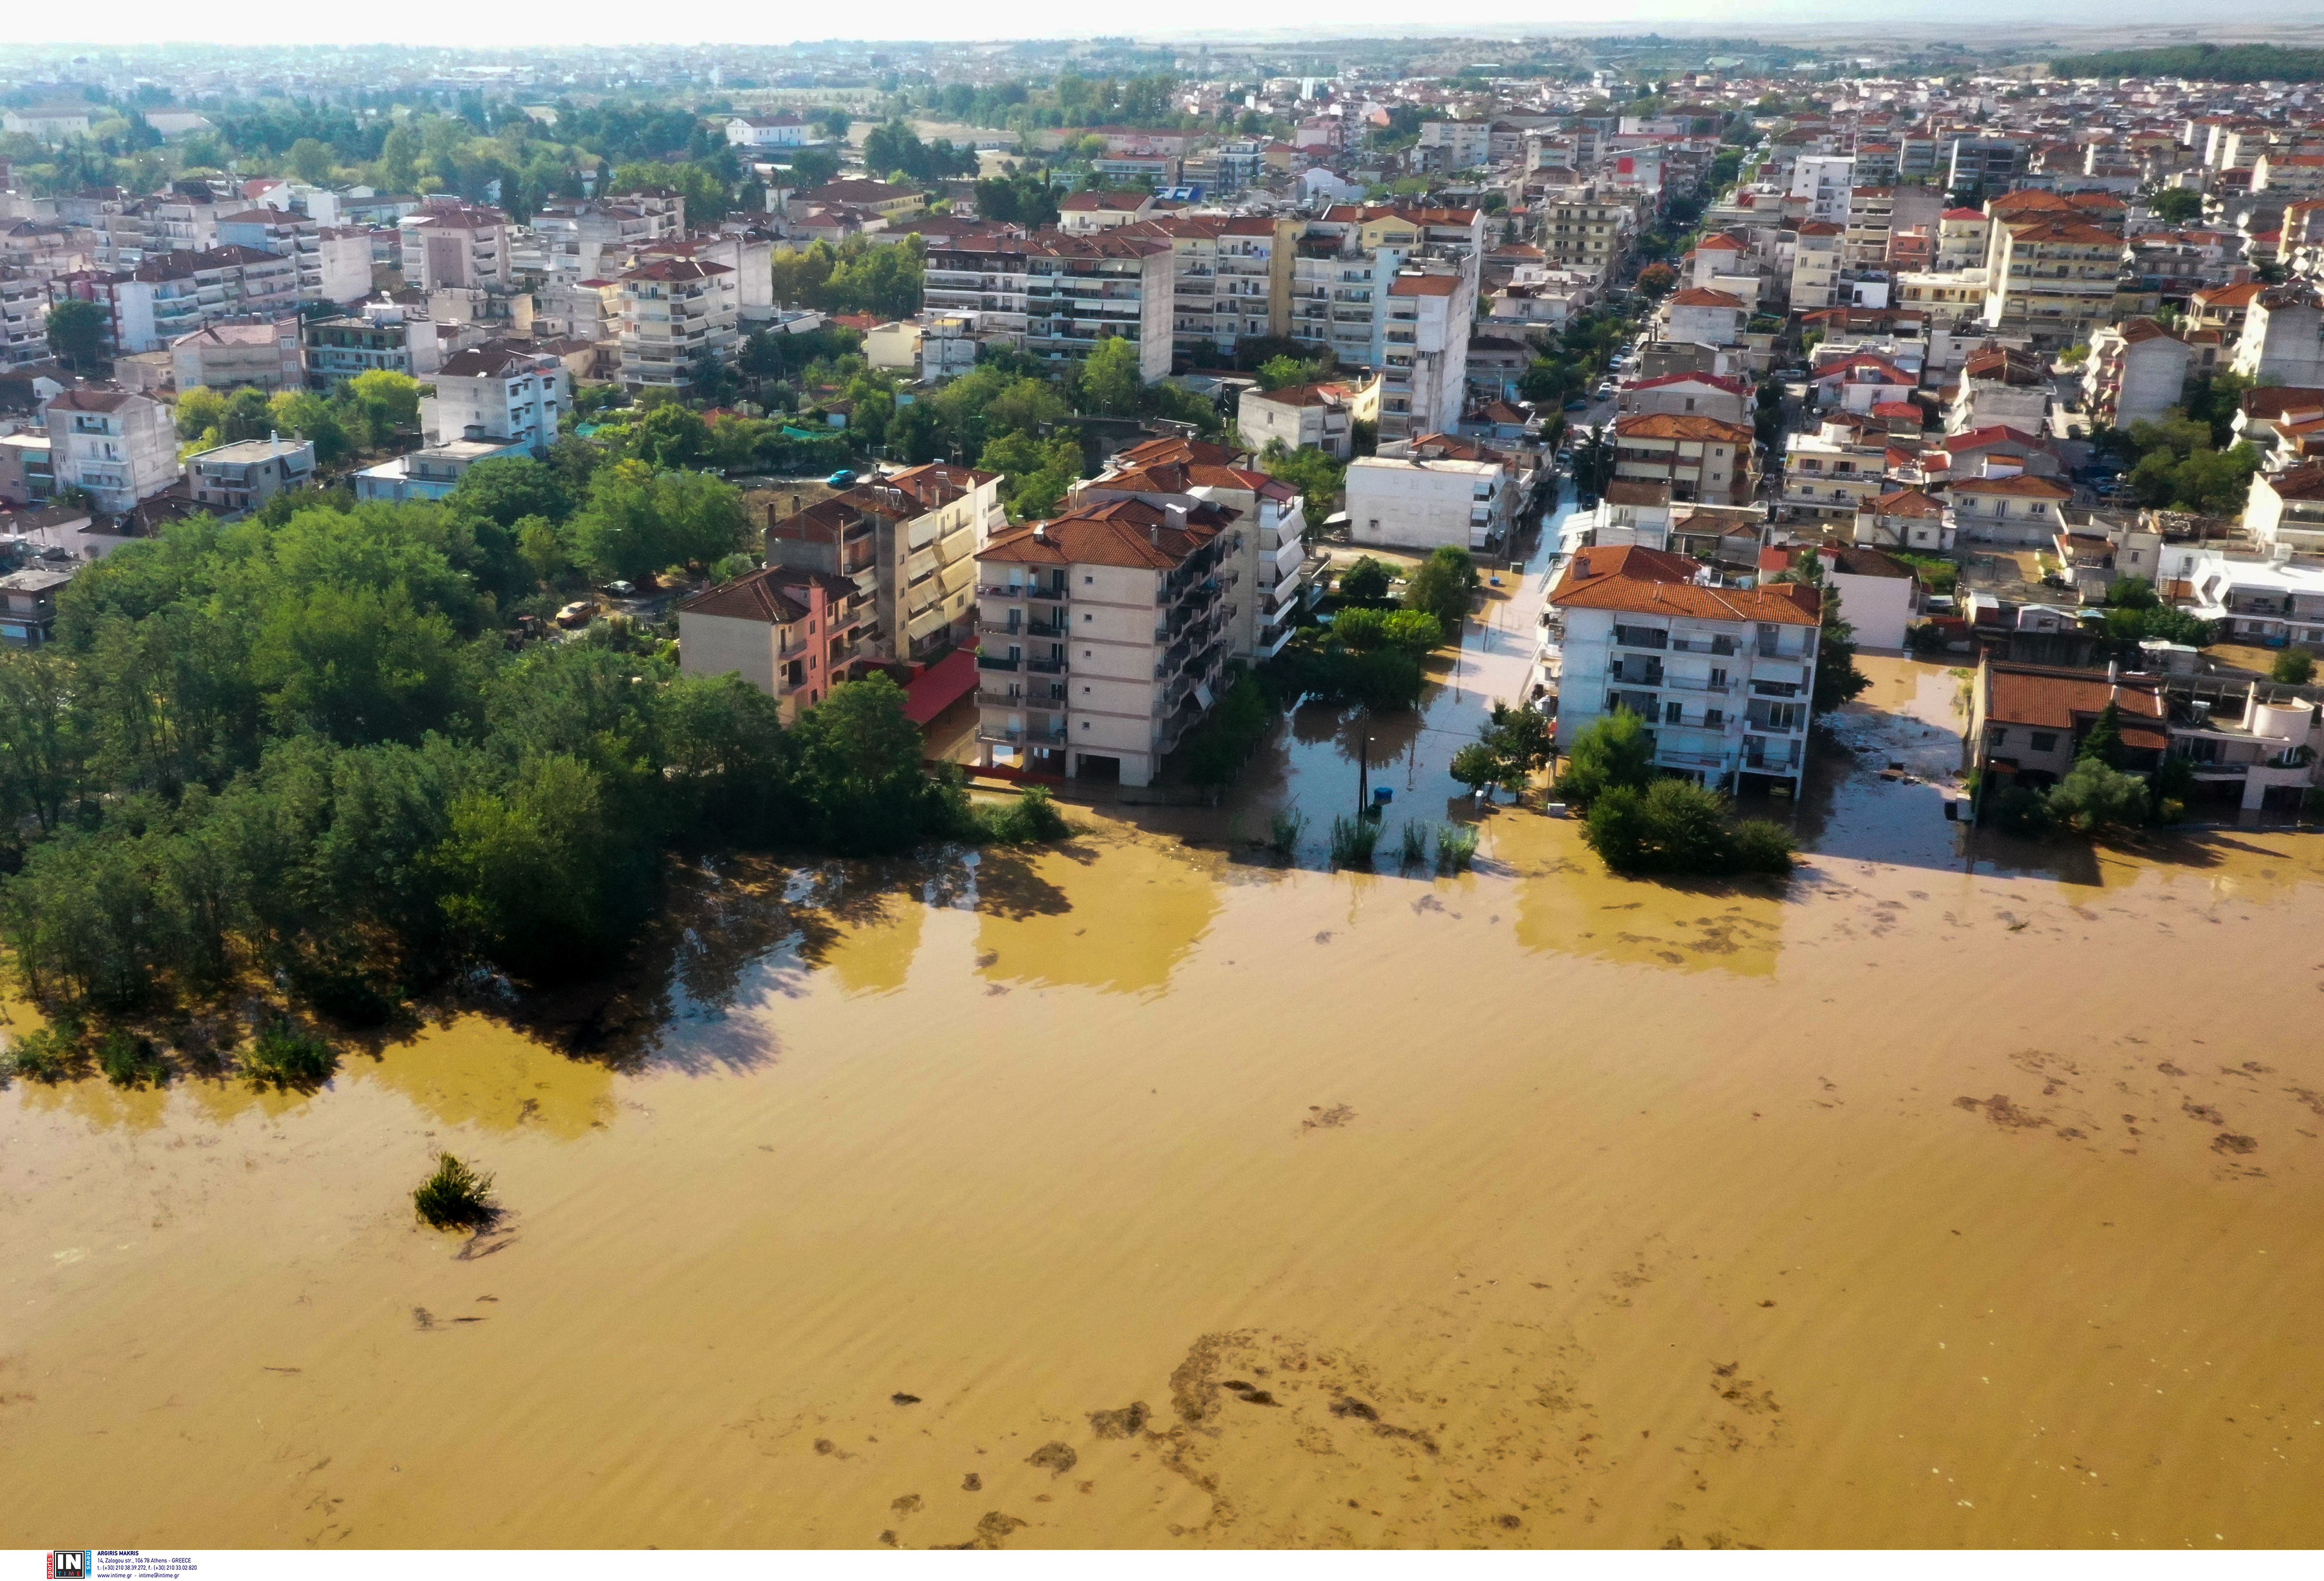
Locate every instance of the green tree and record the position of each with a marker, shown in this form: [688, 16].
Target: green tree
[860, 777]
[1442, 584]
[309, 416]
[1477, 766]
[77, 331]
[1366, 581]
[507, 489]
[1279, 372]
[1521, 736]
[1110, 380]
[311, 161]
[1612, 751]
[670, 435]
[1316, 475]
[2094, 798]
[525, 871]
[2176, 206]
[200, 409]
[2293, 667]
[2102, 744]
[389, 400]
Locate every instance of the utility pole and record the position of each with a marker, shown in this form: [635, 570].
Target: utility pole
[1363, 775]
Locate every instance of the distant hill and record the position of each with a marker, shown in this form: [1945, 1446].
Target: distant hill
[2200, 62]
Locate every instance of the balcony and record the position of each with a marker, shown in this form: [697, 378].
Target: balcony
[986, 662]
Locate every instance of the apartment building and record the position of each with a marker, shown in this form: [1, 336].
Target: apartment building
[225, 356]
[1724, 397]
[790, 631]
[675, 312]
[577, 237]
[24, 317]
[1879, 215]
[1701, 458]
[2282, 339]
[1723, 677]
[2285, 509]
[496, 393]
[1814, 283]
[116, 447]
[1264, 565]
[334, 262]
[451, 244]
[431, 472]
[908, 543]
[1230, 277]
[152, 306]
[376, 338]
[1590, 231]
[1824, 183]
[1420, 501]
[2135, 371]
[2052, 279]
[1964, 238]
[1104, 638]
[2022, 509]
[754, 131]
[1830, 473]
[242, 476]
[1057, 296]
[1304, 417]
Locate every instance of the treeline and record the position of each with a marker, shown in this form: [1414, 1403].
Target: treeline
[304, 752]
[2240, 63]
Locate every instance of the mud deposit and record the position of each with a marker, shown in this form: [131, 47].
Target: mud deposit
[1141, 1193]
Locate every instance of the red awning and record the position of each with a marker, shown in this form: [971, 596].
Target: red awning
[940, 685]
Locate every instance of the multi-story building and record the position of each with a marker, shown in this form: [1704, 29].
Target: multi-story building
[244, 476]
[23, 319]
[1723, 677]
[1303, 417]
[1056, 295]
[1984, 164]
[1824, 182]
[152, 306]
[377, 338]
[576, 238]
[1879, 215]
[2136, 371]
[229, 354]
[675, 312]
[1816, 266]
[1104, 637]
[451, 244]
[783, 131]
[1829, 474]
[1702, 458]
[334, 262]
[431, 472]
[2052, 279]
[1964, 237]
[2283, 339]
[1265, 566]
[1396, 290]
[1428, 498]
[2285, 509]
[908, 543]
[790, 631]
[1229, 277]
[496, 393]
[116, 447]
[1590, 230]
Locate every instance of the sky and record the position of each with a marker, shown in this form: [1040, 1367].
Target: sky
[612, 22]
[616, 21]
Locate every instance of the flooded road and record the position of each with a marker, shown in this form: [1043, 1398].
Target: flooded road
[1140, 1193]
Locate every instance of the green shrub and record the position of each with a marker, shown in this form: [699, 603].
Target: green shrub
[1353, 840]
[1442, 585]
[1284, 829]
[1415, 849]
[1031, 818]
[129, 1061]
[46, 1055]
[2293, 667]
[1361, 629]
[2094, 798]
[1476, 765]
[289, 1057]
[1763, 845]
[455, 1198]
[2020, 811]
[1680, 827]
[1415, 631]
[1456, 847]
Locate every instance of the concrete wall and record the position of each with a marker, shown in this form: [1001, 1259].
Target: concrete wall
[1111, 654]
[1878, 607]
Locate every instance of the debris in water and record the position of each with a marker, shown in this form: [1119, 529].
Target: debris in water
[1056, 1456]
[900, 1398]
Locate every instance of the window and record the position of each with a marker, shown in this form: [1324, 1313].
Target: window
[1713, 718]
[1087, 617]
[1997, 735]
[1674, 713]
[2044, 740]
[1089, 581]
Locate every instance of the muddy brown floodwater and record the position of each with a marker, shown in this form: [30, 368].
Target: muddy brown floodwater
[1139, 1193]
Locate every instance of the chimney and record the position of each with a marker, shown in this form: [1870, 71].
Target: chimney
[1040, 532]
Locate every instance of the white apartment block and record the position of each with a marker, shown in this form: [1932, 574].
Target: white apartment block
[675, 312]
[2283, 340]
[495, 392]
[1825, 182]
[908, 543]
[455, 245]
[1722, 677]
[117, 446]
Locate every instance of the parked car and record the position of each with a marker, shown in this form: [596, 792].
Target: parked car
[620, 589]
[576, 614]
[842, 478]
[1577, 404]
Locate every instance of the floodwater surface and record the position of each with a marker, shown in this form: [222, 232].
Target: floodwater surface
[1144, 1193]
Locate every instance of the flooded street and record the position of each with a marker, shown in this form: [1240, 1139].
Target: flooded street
[1141, 1193]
